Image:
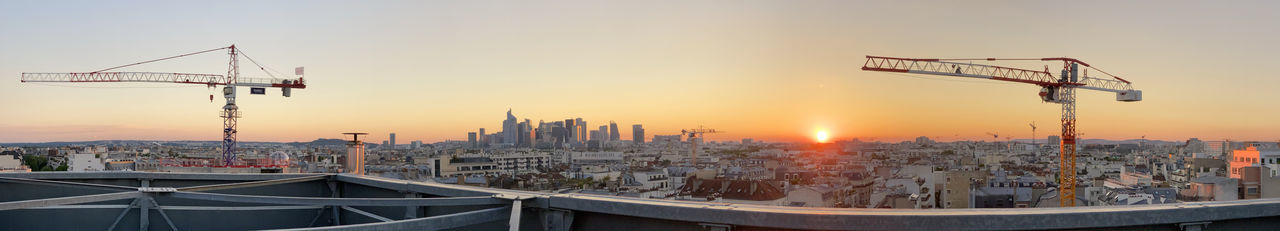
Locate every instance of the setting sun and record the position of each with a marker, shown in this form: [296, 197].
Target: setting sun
[821, 136]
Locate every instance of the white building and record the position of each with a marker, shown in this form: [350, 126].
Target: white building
[596, 157]
[85, 162]
[521, 161]
[10, 163]
[650, 180]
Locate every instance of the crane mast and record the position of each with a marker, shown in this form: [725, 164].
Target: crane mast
[230, 112]
[1059, 90]
[695, 134]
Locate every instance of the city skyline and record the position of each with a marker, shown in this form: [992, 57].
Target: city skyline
[768, 71]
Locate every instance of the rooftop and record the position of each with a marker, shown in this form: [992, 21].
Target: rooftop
[203, 201]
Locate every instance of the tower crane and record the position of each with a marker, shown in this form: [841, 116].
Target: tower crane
[694, 134]
[230, 112]
[1033, 133]
[1059, 90]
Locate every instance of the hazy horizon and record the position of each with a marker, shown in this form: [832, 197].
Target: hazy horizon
[768, 70]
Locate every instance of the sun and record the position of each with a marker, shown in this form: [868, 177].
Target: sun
[821, 137]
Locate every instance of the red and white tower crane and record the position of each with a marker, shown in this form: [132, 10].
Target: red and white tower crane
[695, 135]
[1059, 90]
[230, 112]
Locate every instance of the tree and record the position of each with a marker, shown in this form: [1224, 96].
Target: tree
[36, 163]
[46, 168]
[61, 168]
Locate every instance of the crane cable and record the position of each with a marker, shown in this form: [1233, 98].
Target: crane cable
[260, 67]
[1032, 59]
[162, 59]
[255, 62]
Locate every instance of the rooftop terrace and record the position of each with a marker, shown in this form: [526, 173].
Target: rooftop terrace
[196, 201]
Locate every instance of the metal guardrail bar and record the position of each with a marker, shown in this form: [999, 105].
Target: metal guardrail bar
[367, 214]
[450, 221]
[156, 175]
[251, 184]
[68, 200]
[339, 201]
[66, 184]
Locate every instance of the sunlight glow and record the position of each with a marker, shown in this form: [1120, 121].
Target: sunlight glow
[821, 137]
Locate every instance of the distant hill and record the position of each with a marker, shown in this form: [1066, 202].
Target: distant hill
[320, 142]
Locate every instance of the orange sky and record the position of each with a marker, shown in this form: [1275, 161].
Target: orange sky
[771, 70]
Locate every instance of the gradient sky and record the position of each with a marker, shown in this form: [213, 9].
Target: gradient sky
[771, 70]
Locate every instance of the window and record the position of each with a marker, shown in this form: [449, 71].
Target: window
[1251, 190]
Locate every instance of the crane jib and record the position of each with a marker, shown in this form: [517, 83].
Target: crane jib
[232, 79]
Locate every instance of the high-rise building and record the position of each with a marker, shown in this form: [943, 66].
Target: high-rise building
[483, 138]
[637, 134]
[604, 133]
[471, 139]
[597, 135]
[613, 131]
[393, 140]
[572, 130]
[524, 135]
[582, 131]
[510, 129]
[1054, 140]
[559, 134]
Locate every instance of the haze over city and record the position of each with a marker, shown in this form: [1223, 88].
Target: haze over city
[775, 71]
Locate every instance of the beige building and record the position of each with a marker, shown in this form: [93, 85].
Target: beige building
[1211, 188]
[11, 163]
[818, 196]
[1258, 182]
[955, 187]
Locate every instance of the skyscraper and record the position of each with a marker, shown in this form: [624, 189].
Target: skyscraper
[571, 130]
[393, 140]
[582, 131]
[510, 129]
[471, 139]
[483, 138]
[613, 131]
[524, 134]
[637, 134]
[604, 133]
[596, 135]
